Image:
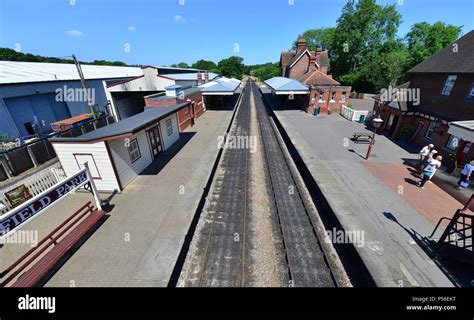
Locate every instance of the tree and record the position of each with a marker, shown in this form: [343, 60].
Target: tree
[321, 37]
[232, 67]
[265, 71]
[204, 65]
[363, 33]
[183, 65]
[424, 39]
[7, 54]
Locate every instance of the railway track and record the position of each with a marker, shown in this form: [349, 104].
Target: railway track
[221, 250]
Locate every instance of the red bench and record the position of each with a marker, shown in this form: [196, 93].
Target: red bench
[61, 239]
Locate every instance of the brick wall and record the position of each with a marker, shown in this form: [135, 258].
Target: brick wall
[455, 105]
[300, 67]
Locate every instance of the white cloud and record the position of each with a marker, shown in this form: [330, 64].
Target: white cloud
[178, 18]
[132, 29]
[74, 33]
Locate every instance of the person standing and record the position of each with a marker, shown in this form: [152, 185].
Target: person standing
[466, 174]
[423, 156]
[429, 170]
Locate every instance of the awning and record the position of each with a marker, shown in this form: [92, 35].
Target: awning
[462, 129]
[282, 85]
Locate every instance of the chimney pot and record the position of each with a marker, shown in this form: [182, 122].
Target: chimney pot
[301, 44]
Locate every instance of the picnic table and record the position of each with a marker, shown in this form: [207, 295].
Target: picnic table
[362, 136]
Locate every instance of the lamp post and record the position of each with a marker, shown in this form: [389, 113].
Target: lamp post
[377, 123]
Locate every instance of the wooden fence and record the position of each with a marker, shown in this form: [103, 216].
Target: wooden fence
[35, 184]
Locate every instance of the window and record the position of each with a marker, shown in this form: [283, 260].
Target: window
[134, 150]
[448, 86]
[333, 97]
[430, 130]
[321, 96]
[470, 94]
[453, 142]
[343, 97]
[169, 127]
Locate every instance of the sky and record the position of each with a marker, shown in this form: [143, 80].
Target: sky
[163, 32]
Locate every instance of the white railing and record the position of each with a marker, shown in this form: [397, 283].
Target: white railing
[36, 184]
[351, 114]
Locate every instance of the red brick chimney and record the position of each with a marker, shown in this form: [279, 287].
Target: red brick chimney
[199, 78]
[206, 77]
[301, 44]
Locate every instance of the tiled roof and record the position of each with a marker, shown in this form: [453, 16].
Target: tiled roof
[317, 78]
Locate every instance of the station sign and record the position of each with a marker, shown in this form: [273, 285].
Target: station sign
[34, 207]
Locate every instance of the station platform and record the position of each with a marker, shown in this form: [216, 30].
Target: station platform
[139, 242]
[376, 197]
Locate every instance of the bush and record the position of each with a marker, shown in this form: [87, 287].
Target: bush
[4, 137]
[405, 132]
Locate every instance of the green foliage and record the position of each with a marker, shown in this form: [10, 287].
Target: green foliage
[232, 67]
[7, 54]
[264, 71]
[4, 137]
[183, 65]
[363, 32]
[406, 131]
[322, 37]
[424, 39]
[364, 50]
[204, 65]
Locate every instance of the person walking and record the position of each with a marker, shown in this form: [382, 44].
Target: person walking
[463, 182]
[429, 170]
[423, 156]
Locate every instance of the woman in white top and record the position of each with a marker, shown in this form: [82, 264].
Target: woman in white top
[429, 170]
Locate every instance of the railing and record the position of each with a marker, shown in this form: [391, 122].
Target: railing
[351, 114]
[35, 184]
[17, 160]
[456, 239]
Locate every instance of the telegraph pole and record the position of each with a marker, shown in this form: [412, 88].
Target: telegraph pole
[83, 81]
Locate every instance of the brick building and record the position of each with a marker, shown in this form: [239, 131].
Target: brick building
[310, 68]
[175, 94]
[440, 91]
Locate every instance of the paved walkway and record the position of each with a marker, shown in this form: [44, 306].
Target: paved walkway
[140, 241]
[377, 197]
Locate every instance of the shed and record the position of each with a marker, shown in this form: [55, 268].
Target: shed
[119, 152]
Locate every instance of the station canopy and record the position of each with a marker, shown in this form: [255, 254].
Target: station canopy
[220, 86]
[462, 129]
[282, 85]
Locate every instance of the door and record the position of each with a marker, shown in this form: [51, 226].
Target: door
[155, 141]
[393, 124]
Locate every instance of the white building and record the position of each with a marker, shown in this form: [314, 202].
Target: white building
[119, 152]
[127, 96]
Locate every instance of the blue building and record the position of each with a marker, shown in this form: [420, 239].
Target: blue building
[33, 94]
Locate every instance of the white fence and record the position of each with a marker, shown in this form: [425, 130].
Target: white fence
[36, 184]
[351, 114]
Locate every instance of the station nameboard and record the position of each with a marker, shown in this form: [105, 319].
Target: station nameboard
[31, 209]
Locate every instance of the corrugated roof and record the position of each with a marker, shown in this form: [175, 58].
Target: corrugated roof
[221, 84]
[128, 125]
[449, 60]
[189, 76]
[285, 84]
[21, 72]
